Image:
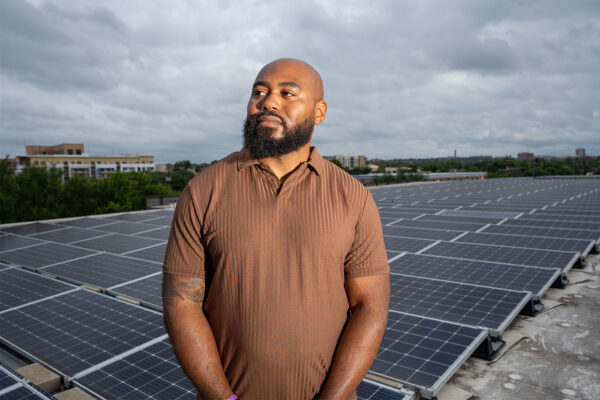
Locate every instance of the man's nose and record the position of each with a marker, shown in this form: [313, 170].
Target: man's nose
[269, 102]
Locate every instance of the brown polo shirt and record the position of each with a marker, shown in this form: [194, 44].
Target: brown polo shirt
[275, 257]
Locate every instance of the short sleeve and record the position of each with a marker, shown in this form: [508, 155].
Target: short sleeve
[186, 254]
[367, 255]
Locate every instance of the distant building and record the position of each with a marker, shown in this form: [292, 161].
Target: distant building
[525, 156]
[72, 160]
[351, 162]
[580, 152]
[63, 148]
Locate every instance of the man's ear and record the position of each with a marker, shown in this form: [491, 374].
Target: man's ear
[320, 111]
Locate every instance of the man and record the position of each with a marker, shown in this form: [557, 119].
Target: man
[269, 249]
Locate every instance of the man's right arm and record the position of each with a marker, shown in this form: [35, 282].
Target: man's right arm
[191, 336]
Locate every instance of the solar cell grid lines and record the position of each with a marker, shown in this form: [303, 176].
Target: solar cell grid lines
[401, 244]
[513, 255]
[420, 233]
[68, 235]
[87, 222]
[423, 353]
[592, 226]
[103, 270]
[161, 233]
[118, 243]
[18, 287]
[153, 253]
[451, 218]
[473, 305]
[369, 390]
[146, 290]
[543, 232]
[29, 229]
[78, 330]
[534, 279]
[530, 242]
[43, 255]
[440, 225]
[127, 227]
[12, 242]
[151, 373]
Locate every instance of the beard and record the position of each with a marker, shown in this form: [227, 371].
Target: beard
[258, 140]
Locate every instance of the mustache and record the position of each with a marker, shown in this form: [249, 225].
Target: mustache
[265, 113]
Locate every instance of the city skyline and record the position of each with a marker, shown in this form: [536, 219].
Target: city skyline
[402, 79]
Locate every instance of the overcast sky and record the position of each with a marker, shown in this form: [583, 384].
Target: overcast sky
[402, 78]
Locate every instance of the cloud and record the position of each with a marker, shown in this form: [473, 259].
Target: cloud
[402, 78]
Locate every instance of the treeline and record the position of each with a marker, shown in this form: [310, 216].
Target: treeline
[504, 167]
[38, 193]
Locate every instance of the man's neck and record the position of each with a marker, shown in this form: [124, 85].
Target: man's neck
[282, 165]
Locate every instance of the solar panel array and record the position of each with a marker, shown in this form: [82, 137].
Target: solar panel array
[15, 387]
[466, 257]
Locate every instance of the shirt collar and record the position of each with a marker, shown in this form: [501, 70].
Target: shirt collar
[315, 160]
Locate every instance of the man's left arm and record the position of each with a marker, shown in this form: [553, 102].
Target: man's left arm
[369, 298]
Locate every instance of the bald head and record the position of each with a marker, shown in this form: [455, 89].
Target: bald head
[301, 72]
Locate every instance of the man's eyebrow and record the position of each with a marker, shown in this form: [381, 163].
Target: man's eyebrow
[280, 84]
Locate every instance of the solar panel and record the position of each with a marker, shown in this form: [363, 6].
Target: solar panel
[480, 213]
[69, 235]
[11, 242]
[513, 255]
[103, 270]
[24, 393]
[43, 255]
[35, 227]
[371, 390]
[161, 213]
[164, 221]
[556, 217]
[455, 226]
[395, 215]
[419, 233]
[534, 279]
[7, 379]
[127, 227]
[145, 290]
[154, 253]
[473, 305]
[133, 217]
[77, 330]
[591, 226]
[530, 242]
[18, 287]
[118, 243]
[151, 373]
[87, 222]
[453, 218]
[13, 387]
[423, 353]
[406, 244]
[161, 233]
[543, 232]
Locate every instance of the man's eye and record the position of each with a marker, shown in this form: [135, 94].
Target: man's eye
[259, 92]
[288, 94]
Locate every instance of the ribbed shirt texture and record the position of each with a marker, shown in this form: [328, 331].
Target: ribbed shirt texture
[275, 257]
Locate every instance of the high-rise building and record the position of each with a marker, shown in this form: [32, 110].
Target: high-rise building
[580, 152]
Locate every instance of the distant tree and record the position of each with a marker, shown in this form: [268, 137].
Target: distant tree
[9, 192]
[337, 162]
[185, 164]
[180, 178]
[79, 196]
[39, 194]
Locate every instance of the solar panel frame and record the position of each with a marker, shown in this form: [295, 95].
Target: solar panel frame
[478, 306]
[371, 390]
[530, 242]
[103, 270]
[442, 347]
[439, 225]
[19, 287]
[146, 290]
[54, 338]
[13, 242]
[45, 254]
[543, 232]
[588, 226]
[506, 254]
[505, 276]
[118, 243]
[127, 227]
[31, 228]
[420, 233]
[152, 253]
[68, 235]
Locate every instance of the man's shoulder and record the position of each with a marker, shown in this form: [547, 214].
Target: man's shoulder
[217, 171]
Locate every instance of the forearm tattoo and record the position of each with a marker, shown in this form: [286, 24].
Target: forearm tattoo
[182, 288]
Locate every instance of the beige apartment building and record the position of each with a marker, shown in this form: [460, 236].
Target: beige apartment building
[73, 160]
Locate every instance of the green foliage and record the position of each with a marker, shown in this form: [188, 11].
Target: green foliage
[180, 178]
[185, 164]
[37, 193]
